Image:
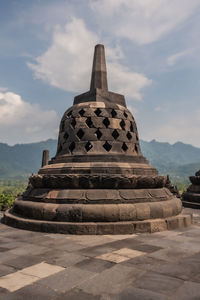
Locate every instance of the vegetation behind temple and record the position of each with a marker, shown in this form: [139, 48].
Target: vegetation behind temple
[19, 161]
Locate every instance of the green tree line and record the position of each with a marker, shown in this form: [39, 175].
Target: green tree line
[9, 190]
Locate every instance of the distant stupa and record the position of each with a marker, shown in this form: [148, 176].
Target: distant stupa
[98, 182]
[191, 198]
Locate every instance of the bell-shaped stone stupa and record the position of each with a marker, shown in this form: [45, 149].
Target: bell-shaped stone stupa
[98, 182]
[191, 198]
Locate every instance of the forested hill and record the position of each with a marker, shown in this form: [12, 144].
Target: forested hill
[178, 160]
[23, 159]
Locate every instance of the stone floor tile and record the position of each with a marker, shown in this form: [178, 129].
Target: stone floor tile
[12, 244]
[188, 291]
[129, 252]
[96, 250]
[94, 265]
[172, 254]
[111, 281]
[3, 249]
[126, 243]
[6, 256]
[51, 254]
[95, 240]
[10, 233]
[15, 281]
[113, 257]
[67, 279]
[122, 236]
[146, 248]
[167, 233]
[21, 262]
[42, 270]
[195, 277]
[66, 260]
[144, 262]
[158, 283]
[32, 292]
[3, 293]
[29, 249]
[159, 241]
[69, 246]
[76, 294]
[195, 258]
[132, 293]
[4, 270]
[56, 236]
[51, 243]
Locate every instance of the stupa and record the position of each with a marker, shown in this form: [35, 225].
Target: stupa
[191, 198]
[98, 182]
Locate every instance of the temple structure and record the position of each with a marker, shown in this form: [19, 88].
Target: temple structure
[98, 182]
[191, 198]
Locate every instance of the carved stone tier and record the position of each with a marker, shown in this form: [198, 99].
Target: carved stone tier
[98, 182]
[191, 198]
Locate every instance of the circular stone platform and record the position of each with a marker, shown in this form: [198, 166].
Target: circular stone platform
[126, 227]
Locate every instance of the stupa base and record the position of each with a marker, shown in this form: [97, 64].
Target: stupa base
[98, 228]
[194, 205]
[191, 199]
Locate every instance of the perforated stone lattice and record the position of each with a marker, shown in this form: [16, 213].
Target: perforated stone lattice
[125, 132]
[106, 122]
[98, 134]
[115, 134]
[107, 146]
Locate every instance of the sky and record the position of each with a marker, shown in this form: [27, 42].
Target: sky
[152, 51]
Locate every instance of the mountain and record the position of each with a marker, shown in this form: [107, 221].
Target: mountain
[23, 159]
[178, 160]
[178, 153]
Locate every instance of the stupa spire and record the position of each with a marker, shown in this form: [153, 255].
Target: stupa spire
[99, 73]
[98, 86]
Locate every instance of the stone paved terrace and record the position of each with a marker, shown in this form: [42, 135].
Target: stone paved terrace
[161, 266]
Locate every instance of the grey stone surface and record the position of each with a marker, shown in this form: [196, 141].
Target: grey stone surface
[23, 261]
[94, 265]
[76, 294]
[158, 283]
[111, 281]
[32, 292]
[166, 269]
[132, 293]
[66, 280]
[5, 269]
[189, 291]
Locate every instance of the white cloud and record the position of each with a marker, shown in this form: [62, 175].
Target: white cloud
[67, 63]
[175, 128]
[124, 81]
[21, 121]
[143, 21]
[173, 59]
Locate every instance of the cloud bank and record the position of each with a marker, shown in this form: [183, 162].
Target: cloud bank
[67, 63]
[21, 121]
[143, 21]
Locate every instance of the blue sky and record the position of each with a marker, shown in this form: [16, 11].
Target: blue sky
[152, 51]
